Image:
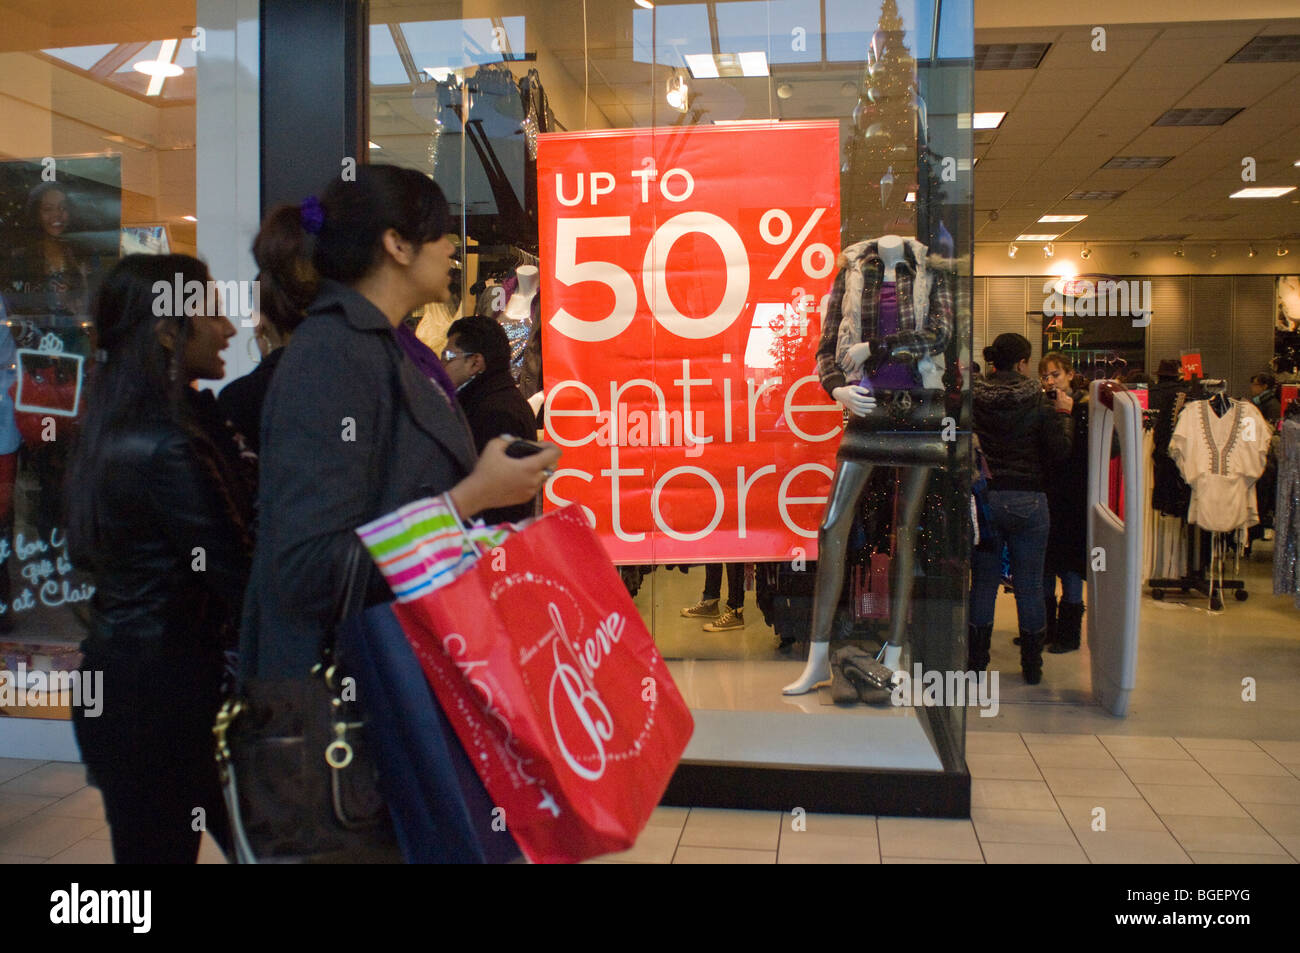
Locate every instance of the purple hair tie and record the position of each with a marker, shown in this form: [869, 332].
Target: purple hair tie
[312, 215]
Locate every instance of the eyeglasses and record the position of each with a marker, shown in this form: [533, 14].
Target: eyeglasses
[449, 355]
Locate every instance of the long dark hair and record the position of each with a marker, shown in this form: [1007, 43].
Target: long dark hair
[352, 217]
[137, 382]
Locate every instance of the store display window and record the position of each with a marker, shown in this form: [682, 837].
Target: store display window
[730, 243]
[96, 161]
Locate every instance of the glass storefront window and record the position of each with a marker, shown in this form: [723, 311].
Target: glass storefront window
[97, 158]
[665, 204]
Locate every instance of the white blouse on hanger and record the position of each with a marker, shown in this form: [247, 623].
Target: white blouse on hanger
[1221, 458]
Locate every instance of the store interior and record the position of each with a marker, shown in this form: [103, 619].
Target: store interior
[1142, 135]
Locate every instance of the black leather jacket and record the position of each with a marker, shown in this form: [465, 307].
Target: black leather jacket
[171, 564]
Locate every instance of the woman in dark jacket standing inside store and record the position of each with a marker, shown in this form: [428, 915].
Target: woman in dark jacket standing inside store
[351, 429]
[159, 509]
[1020, 431]
[1067, 500]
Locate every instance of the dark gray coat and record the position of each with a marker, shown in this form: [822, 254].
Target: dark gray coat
[350, 430]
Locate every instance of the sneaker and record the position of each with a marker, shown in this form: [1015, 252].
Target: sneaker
[732, 619]
[704, 609]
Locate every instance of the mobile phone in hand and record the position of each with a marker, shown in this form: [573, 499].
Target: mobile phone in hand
[523, 448]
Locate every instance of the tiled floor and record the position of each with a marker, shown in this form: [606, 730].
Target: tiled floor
[1035, 798]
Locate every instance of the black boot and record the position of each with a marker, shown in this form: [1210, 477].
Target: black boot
[1031, 656]
[1049, 604]
[1068, 630]
[977, 647]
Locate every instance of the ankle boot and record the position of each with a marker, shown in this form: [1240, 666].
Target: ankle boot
[1068, 629]
[977, 647]
[1031, 656]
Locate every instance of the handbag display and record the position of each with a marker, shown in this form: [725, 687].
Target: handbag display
[871, 588]
[297, 774]
[545, 669]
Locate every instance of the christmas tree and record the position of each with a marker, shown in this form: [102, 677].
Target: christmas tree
[880, 166]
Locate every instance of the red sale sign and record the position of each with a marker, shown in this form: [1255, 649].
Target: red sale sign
[683, 281]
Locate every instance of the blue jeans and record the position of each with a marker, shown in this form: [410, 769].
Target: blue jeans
[1071, 586]
[1020, 520]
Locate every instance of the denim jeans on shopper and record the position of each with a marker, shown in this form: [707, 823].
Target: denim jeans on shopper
[1019, 519]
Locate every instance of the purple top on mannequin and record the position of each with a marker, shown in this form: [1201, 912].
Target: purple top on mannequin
[893, 376]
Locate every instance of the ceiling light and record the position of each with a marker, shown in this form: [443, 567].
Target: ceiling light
[1095, 195]
[1136, 162]
[1214, 251]
[645, 4]
[987, 120]
[1012, 249]
[1037, 238]
[785, 90]
[375, 145]
[1273, 48]
[1085, 253]
[1049, 250]
[159, 69]
[753, 64]
[1062, 218]
[1282, 250]
[702, 65]
[1198, 117]
[679, 92]
[188, 218]
[1262, 192]
[1133, 252]
[911, 197]
[1009, 55]
[1251, 253]
[1179, 253]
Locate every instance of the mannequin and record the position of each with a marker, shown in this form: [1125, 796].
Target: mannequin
[518, 317]
[875, 372]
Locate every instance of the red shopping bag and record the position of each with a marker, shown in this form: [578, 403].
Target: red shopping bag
[553, 685]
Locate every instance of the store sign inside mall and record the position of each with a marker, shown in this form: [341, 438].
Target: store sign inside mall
[684, 275]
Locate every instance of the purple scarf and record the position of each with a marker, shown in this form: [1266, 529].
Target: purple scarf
[425, 360]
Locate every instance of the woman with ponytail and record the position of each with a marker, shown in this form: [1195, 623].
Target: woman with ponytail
[159, 514]
[352, 428]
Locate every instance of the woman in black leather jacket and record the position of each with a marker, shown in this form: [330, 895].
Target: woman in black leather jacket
[159, 511]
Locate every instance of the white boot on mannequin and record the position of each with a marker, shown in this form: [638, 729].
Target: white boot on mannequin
[817, 670]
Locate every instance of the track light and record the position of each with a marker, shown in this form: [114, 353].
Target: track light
[1086, 252]
[1012, 249]
[679, 92]
[1214, 251]
[1178, 252]
[1282, 250]
[1251, 253]
[1133, 252]
[1049, 250]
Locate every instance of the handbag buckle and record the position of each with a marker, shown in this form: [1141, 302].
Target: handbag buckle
[338, 753]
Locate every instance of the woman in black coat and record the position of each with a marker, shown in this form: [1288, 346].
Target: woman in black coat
[1067, 501]
[159, 510]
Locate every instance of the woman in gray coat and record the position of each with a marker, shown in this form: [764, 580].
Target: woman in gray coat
[351, 429]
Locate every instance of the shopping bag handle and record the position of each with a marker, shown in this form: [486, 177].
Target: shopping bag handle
[460, 524]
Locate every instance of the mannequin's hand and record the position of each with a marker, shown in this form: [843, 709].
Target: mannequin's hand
[858, 354]
[857, 400]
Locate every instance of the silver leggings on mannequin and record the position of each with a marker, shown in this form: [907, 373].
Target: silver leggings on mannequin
[861, 451]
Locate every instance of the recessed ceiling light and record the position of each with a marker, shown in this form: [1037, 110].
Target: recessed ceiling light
[753, 64]
[1009, 55]
[1136, 162]
[1198, 117]
[159, 69]
[645, 4]
[1095, 195]
[1037, 238]
[1063, 218]
[987, 120]
[1262, 192]
[1274, 48]
[702, 65]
